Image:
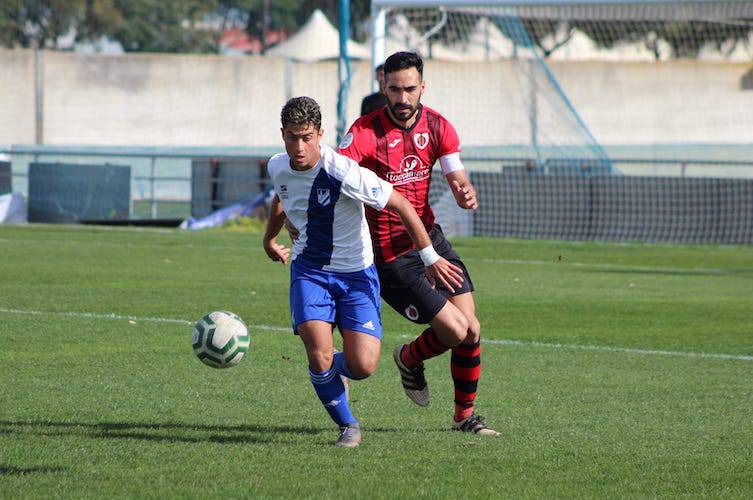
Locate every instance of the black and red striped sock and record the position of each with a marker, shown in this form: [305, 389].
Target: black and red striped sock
[465, 365]
[427, 345]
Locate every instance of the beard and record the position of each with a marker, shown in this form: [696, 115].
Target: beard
[403, 112]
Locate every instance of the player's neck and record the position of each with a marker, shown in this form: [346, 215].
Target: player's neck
[304, 168]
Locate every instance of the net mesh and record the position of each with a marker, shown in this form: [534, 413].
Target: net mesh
[573, 96]
[577, 92]
[586, 75]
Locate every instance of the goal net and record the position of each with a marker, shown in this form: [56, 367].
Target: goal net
[568, 110]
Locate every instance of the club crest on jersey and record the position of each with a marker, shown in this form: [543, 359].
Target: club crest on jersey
[322, 196]
[421, 140]
[346, 141]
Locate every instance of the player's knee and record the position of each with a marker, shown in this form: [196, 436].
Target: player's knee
[461, 327]
[320, 359]
[363, 367]
[474, 331]
[456, 331]
[451, 325]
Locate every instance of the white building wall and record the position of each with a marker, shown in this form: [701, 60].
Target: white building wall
[16, 97]
[190, 100]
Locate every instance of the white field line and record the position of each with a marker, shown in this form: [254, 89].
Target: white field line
[136, 319]
[93, 228]
[615, 267]
[270, 328]
[517, 262]
[626, 350]
[513, 262]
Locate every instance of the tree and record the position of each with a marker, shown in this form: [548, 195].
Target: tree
[139, 25]
[160, 25]
[37, 23]
[289, 15]
[153, 25]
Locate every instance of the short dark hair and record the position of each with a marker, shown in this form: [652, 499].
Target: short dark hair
[379, 68]
[301, 111]
[404, 60]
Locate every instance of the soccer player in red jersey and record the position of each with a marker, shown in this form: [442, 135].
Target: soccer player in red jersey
[401, 142]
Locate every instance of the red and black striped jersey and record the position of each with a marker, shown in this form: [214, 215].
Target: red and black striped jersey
[405, 158]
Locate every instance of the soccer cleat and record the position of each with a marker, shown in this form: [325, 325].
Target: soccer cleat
[414, 382]
[476, 425]
[350, 436]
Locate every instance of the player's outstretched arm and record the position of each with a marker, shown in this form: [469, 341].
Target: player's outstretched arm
[275, 251]
[438, 269]
[462, 189]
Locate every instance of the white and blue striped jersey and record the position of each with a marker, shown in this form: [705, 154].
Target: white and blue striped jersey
[326, 205]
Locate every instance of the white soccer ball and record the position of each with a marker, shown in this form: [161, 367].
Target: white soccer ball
[220, 339]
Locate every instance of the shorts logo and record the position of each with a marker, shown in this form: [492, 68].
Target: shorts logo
[369, 324]
[346, 141]
[322, 196]
[411, 312]
[421, 140]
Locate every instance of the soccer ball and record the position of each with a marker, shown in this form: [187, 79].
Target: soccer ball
[220, 339]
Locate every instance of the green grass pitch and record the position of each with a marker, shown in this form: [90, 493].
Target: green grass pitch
[612, 371]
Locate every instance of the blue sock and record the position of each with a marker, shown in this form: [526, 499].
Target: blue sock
[331, 391]
[338, 363]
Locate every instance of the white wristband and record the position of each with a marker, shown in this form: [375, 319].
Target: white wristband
[428, 255]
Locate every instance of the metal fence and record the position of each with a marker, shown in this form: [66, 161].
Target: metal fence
[693, 200]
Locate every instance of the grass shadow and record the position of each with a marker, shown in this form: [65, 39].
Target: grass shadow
[10, 470]
[159, 431]
[184, 433]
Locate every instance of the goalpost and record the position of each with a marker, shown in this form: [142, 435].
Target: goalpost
[555, 100]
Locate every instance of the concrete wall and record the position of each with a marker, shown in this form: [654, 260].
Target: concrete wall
[669, 102]
[160, 99]
[16, 96]
[189, 100]
[621, 103]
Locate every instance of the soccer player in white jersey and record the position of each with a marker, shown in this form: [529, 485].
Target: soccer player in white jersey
[333, 280]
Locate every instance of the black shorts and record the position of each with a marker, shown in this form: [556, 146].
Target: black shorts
[406, 289]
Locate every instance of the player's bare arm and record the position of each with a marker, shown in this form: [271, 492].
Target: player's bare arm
[291, 229]
[438, 269]
[462, 189]
[275, 251]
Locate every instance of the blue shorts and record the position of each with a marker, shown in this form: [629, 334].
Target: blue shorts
[350, 300]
